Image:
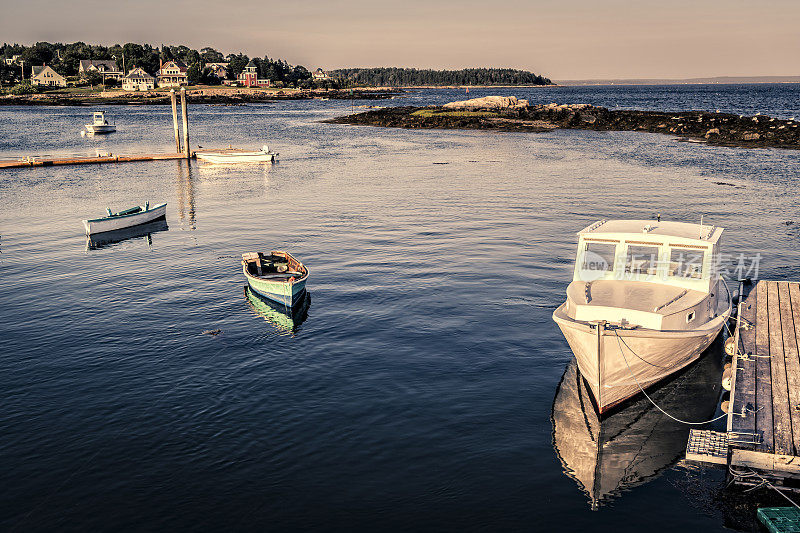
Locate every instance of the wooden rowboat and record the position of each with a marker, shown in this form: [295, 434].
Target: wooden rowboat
[140, 214]
[278, 276]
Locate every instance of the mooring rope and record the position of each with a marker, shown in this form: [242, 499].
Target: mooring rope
[764, 482]
[637, 355]
[653, 402]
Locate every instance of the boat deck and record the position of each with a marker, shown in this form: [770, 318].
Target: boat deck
[764, 418]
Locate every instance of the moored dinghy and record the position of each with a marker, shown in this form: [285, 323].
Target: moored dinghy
[265, 155]
[645, 301]
[140, 214]
[278, 276]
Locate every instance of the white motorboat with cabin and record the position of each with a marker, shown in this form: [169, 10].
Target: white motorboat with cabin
[100, 124]
[644, 302]
[233, 155]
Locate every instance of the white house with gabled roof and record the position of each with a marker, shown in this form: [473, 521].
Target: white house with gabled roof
[46, 76]
[138, 80]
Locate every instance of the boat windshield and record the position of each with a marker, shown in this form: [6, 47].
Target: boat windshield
[686, 263]
[599, 256]
[641, 260]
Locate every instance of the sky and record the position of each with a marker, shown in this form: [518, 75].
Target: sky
[561, 39]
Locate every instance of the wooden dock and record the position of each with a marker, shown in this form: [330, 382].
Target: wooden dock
[764, 417]
[50, 162]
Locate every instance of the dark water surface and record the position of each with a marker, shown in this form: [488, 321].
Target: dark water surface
[417, 393]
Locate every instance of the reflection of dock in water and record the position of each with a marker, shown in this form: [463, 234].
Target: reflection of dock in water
[185, 190]
[284, 319]
[108, 238]
[636, 443]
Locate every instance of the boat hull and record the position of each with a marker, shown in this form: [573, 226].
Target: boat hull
[630, 360]
[282, 292]
[101, 225]
[107, 128]
[256, 157]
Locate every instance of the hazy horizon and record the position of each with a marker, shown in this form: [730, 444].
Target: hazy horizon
[566, 40]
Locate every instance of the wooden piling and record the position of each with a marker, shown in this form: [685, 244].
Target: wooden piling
[173, 98]
[187, 152]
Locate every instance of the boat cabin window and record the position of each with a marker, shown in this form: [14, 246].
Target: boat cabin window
[685, 263]
[599, 256]
[641, 260]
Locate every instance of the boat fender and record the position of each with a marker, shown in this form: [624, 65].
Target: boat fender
[730, 346]
[726, 380]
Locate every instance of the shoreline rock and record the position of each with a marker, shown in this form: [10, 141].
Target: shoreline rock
[195, 96]
[719, 129]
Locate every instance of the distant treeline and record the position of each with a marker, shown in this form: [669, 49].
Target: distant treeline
[65, 59]
[400, 77]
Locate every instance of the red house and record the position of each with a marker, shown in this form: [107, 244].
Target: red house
[249, 77]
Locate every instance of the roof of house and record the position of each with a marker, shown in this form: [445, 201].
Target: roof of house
[251, 64]
[39, 70]
[108, 64]
[181, 66]
[139, 73]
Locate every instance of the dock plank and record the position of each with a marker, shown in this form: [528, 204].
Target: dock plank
[48, 162]
[793, 367]
[743, 392]
[763, 382]
[781, 418]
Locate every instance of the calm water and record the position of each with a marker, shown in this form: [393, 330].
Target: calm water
[417, 393]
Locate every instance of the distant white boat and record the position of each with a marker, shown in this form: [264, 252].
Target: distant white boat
[238, 156]
[100, 124]
[141, 214]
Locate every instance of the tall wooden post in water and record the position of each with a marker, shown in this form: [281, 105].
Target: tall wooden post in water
[174, 99]
[186, 149]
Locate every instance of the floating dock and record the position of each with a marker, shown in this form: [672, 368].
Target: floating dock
[762, 442]
[50, 162]
[764, 417]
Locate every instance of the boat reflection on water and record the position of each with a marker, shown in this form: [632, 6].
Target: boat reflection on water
[108, 238]
[285, 319]
[634, 444]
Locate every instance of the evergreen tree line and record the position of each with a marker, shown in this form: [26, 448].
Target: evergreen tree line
[404, 77]
[65, 59]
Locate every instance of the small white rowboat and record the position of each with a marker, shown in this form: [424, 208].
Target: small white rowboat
[238, 156]
[141, 214]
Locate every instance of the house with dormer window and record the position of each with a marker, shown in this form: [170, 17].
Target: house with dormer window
[173, 73]
[106, 67]
[138, 80]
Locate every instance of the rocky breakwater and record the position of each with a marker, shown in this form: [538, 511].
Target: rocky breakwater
[511, 114]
